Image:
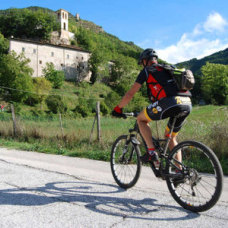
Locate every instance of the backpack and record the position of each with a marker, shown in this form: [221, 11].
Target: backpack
[183, 78]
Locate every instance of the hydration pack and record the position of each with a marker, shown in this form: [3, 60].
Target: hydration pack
[184, 78]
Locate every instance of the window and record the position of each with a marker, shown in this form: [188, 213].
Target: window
[34, 51]
[52, 54]
[64, 26]
[23, 49]
[40, 61]
[68, 56]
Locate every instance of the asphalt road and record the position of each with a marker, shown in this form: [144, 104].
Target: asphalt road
[40, 190]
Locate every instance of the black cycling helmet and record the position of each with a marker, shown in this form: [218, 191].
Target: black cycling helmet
[147, 54]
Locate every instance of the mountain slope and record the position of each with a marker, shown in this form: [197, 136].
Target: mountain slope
[88, 35]
[195, 65]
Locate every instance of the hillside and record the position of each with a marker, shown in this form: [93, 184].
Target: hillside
[37, 23]
[90, 35]
[220, 57]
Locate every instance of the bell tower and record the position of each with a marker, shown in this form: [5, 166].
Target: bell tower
[63, 19]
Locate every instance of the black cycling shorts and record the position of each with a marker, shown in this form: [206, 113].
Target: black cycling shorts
[170, 107]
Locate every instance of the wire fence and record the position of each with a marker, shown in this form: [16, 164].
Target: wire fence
[96, 128]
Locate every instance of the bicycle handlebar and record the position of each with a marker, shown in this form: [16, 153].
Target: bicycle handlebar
[128, 114]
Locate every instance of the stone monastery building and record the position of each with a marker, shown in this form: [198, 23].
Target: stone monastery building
[72, 60]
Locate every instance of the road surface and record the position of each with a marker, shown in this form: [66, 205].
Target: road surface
[43, 190]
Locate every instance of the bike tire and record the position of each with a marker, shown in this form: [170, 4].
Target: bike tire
[200, 189]
[125, 169]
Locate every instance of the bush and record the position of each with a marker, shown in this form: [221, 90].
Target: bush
[112, 99]
[54, 76]
[82, 109]
[41, 87]
[219, 144]
[104, 108]
[56, 104]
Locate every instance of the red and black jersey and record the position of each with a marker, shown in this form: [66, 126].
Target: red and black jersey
[160, 83]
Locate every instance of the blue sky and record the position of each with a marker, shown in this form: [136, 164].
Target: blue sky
[177, 29]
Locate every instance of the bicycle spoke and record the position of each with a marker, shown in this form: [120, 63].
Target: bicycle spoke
[200, 186]
[125, 163]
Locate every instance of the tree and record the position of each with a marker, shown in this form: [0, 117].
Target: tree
[215, 83]
[56, 77]
[94, 63]
[122, 66]
[4, 45]
[15, 77]
[27, 23]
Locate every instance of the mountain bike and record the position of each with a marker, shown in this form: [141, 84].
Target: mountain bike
[195, 182]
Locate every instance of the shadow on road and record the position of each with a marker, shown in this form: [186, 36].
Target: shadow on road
[101, 198]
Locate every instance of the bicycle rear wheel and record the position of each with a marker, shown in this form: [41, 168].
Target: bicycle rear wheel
[196, 182]
[125, 162]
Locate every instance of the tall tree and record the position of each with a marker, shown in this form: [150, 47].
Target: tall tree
[15, 77]
[215, 83]
[27, 24]
[4, 45]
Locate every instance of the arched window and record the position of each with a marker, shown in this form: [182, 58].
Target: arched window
[63, 15]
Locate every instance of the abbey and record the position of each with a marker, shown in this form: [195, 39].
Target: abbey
[71, 59]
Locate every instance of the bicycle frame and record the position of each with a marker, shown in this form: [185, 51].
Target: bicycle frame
[162, 150]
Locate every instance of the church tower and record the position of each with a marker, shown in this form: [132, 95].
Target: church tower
[63, 19]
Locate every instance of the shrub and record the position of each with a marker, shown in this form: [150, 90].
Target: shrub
[54, 76]
[56, 104]
[219, 144]
[82, 109]
[41, 87]
[104, 108]
[112, 99]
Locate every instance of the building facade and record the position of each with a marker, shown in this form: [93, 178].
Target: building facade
[72, 60]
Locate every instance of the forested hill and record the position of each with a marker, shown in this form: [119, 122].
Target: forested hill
[195, 65]
[22, 24]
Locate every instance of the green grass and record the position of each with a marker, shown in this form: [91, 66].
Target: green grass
[207, 124]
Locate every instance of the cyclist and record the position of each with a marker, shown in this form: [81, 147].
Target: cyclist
[167, 102]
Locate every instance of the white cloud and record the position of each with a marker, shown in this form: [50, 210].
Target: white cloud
[197, 30]
[187, 49]
[215, 23]
[195, 44]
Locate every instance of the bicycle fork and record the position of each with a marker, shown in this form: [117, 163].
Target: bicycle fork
[130, 139]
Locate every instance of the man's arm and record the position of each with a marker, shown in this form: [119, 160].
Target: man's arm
[129, 95]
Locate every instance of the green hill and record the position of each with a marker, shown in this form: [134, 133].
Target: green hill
[15, 22]
[195, 65]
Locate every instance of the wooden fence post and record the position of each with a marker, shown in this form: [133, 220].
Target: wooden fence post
[14, 120]
[61, 124]
[90, 138]
[98, 122]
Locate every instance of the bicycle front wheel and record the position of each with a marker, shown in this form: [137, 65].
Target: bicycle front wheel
[125, 162]
[196, 181]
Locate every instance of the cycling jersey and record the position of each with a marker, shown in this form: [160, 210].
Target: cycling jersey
[160, 83]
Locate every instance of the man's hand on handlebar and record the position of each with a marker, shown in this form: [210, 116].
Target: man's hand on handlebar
[118, 112]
